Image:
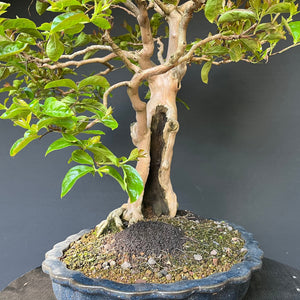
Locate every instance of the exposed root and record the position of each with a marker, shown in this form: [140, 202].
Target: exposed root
[117, 218]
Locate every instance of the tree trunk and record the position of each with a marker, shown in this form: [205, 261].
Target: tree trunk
[157, 141]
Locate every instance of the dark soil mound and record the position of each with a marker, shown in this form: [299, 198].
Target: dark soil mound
[150, 238]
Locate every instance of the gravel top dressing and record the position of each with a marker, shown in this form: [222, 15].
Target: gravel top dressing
[160, 250]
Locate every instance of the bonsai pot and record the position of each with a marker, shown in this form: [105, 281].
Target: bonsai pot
[233, 284]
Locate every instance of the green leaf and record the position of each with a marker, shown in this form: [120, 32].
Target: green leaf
[295, 28]
[95, 81]
[67, 20]
[212, 9]
[15, 111]
[216, 50]
[96, 132]
[55, 108]
[18, 23]
[68, 123]
[110, 122]
[133, 182]
[279, 8]
[55, 48]
[59, 5]
[237, 15]
[72, 176]
[101, 22]
[82, 157]
[11, 48]
[113, 173]
[74, 29]
[134, 154]
[235, 51]
[205, 70]
[23, 142]
[59, 144]
[41, 7]
[82, 39]
[61, 82]
[102, 154]
[4, 6]
[183, 102]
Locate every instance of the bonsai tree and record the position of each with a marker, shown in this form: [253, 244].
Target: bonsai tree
[48, 93]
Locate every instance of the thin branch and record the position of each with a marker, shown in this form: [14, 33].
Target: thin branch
[102, 60]
[123, 8]
[160, 51]
[131, 6]
[113, 87]
[119, 52]
[81, 52]
[165, 9]
[285, 49]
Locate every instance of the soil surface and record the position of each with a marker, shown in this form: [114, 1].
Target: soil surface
[160, 250]
[150, 238]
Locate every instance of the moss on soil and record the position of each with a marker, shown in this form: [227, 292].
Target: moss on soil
[210, 247]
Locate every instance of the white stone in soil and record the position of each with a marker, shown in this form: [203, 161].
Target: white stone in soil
[214, 252]
[126, 265]
[197, 257]
[151, 261]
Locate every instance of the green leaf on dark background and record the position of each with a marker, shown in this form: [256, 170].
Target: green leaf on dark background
[11, 48]
[133, 182]
[205, 70]
[113, 173]
[67, 20]
[55, 48]
[295, 28]
[61, 82]
[82, 157]
[72, 176]
[55, 108]
[236, 15]
[101, 22]
[59, 144]
[95, 81]
[23, 142]
[212, 9]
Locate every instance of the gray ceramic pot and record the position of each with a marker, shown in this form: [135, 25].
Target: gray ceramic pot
[233, 284]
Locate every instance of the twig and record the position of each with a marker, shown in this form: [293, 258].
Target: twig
[81, 52]
[123, 8]
[285, 49]
[119, 52]
[113, 87]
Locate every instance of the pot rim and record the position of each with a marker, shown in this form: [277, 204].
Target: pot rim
[238, 274]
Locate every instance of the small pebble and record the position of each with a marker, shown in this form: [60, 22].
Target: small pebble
[151, 261]
[104, 265]
[126, 265]
[164, 272]
[244, 250]
[294, 277]
[229, 228]
[197, 257]
[169, 277]
[112, 263]
[298, 290]
[214, 252]
[215, 261]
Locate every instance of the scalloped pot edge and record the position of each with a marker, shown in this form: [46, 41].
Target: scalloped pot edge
[76, 282]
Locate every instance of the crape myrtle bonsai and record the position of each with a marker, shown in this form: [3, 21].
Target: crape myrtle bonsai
[44, 90]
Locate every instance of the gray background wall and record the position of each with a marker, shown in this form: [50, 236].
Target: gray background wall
[237, 157]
